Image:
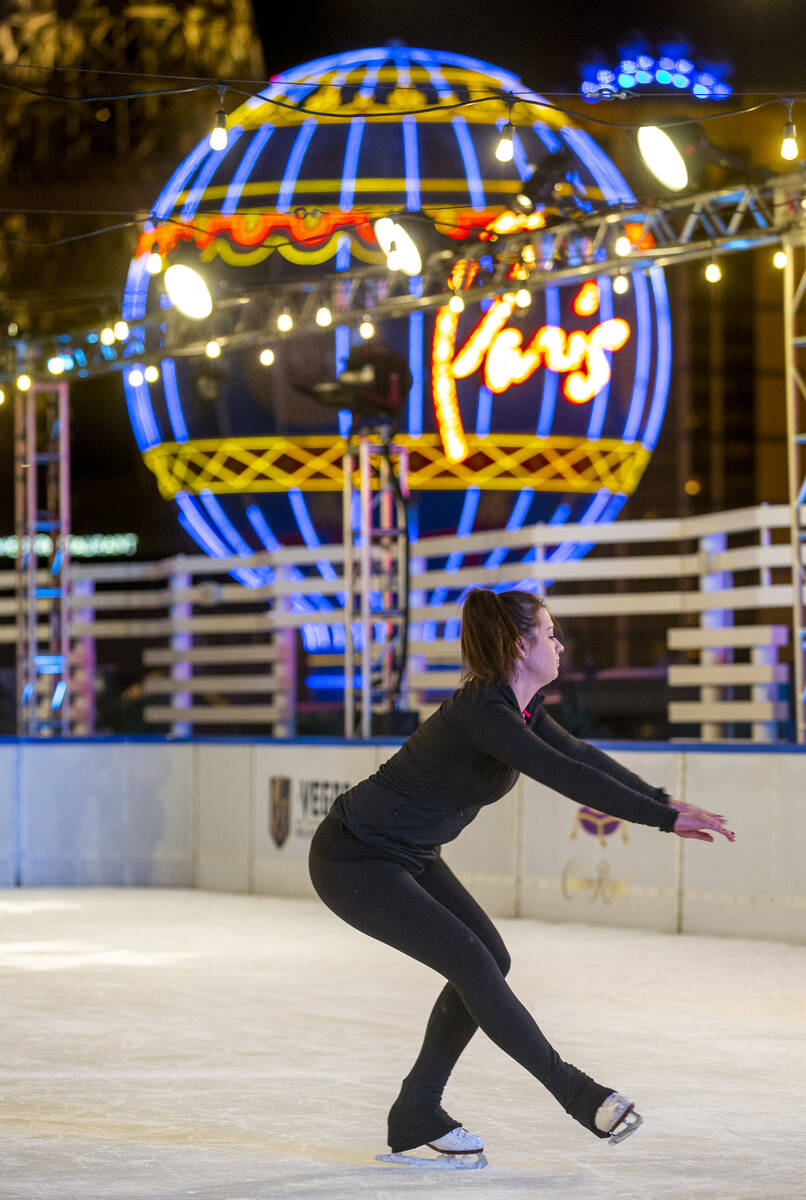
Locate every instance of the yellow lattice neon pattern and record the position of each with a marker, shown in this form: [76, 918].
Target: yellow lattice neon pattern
[499, 462]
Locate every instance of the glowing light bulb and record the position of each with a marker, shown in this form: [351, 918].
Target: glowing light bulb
[789, 142]
[108, 336]
[188, 292]
[456, 304]
[366, 329]
[136, 377]
[2, 396]
[266, 357]
[505, 150]
[212, 350]
[120, 330]
[523, 298]
[621, 284]
[780, 259]
[154, 263]
[152, 374]
[713, 272]
[285, 322]
[23, 382]
[662, 157]
[55, 365]
[218, 137]
[324, 317]
[623, 245]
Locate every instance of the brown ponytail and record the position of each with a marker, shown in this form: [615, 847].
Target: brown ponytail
[492, 625]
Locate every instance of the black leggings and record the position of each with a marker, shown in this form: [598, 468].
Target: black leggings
[431, 917]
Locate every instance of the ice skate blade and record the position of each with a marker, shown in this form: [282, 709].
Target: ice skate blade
[628, 1125]
[443, 1162]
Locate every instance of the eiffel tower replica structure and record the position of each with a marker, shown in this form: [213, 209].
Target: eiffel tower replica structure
[70, 169]
[110, 156]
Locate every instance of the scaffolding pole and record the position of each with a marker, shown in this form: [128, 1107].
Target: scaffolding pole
[794, 347]
[375, 580]
[42, 511]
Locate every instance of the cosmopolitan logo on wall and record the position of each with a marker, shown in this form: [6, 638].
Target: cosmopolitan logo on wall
[296, 806]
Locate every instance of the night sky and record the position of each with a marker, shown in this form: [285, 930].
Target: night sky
[546, 43]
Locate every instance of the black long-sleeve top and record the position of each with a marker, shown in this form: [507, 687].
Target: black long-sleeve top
[468, 754]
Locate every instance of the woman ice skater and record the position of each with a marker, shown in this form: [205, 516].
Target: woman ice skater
[375, 860]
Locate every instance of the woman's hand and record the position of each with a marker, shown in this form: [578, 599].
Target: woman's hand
[693, 822]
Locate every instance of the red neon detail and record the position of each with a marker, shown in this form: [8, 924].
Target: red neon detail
[586, 301]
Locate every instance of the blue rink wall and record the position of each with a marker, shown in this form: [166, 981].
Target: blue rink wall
[239, 816]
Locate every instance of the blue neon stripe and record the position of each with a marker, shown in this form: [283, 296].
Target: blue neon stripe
[309, 534]
[550, 378]
[548, 137]
[207, 172]
[463, 528]
[599, 404]
[350, 168]
[469, 508]
[612, 183]
[172, 400]
[663, 364]
[468, 151]
[484, 412]
[643, 356]
[411, 157]
[248, 577]
[261, 527]
[194, 524]
[370, 80]
[572, 550]
[416, 368]
[520, 509]
[136, 292]
[167, 197]
[289, 181]
[516, 519]
[342, 339]
[141, 414]
[245, 168]
[560, 514]
[399, 56]
[343, 253]
[225, 526]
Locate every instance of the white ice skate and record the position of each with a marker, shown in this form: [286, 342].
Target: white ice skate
[456, 1151]
[617, 1117]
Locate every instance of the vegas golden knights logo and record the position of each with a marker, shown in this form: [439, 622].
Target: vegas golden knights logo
[279, 809]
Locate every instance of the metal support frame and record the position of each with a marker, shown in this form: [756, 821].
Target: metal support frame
[795, 358]
[570, 249]
[375, 571]
[42, 506]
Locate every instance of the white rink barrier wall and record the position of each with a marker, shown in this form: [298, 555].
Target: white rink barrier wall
[239, 816]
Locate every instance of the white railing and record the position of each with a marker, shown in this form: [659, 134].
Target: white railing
[723, 571]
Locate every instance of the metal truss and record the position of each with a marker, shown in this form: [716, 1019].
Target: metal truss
[42, 505]
[377, 469]
[498, 461]
[795, 347]
[683, 229]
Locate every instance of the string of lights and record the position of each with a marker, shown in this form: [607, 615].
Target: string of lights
[607, 243]
[223, 87]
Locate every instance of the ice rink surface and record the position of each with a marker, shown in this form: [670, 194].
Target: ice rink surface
[162, 1044]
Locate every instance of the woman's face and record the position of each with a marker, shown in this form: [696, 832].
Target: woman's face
[541, 652]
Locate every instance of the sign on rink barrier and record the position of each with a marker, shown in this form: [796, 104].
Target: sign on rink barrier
[239, 816]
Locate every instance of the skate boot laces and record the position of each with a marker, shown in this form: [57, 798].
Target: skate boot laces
[458, 1141]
